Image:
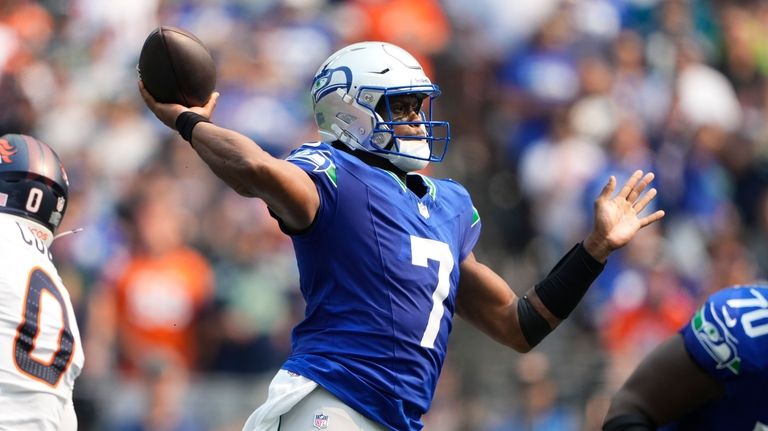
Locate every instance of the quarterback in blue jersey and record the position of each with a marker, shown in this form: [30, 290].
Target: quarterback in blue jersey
[718, 364]
[384, 253]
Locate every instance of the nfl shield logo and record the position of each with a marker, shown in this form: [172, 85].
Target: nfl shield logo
[321, 421]
[423, 210]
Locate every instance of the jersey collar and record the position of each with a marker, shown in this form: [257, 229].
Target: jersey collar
[425, 180]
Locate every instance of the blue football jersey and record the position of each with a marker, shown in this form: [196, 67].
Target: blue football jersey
[728, 337]
[379, 269]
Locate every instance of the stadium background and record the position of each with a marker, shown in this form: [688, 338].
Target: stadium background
[186, 293]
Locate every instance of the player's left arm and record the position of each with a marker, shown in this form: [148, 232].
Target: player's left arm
[647, 399]
[488, 302]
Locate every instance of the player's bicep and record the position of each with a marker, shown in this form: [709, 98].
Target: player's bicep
[485, 300]
[648, 390]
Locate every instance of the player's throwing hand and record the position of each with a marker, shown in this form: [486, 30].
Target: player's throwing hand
[167, 113]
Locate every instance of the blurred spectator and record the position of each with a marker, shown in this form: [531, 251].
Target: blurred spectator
[420, 28]
[639, 91]
[594, 114]
[151, 296]
[165, 384]
[21, 118]
[704, 97]
[538, 79]
[248, 330]
[553, 173]
[539, 409]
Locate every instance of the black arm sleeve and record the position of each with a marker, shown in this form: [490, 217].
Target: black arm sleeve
[562, 289]
[533, 325]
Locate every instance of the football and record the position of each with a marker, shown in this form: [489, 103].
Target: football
[176, 67]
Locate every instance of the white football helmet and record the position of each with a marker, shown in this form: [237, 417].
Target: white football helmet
[356, 80]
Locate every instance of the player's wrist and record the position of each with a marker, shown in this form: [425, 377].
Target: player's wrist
[186, 121]
[596, 248]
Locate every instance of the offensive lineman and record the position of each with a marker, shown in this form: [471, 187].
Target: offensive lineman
[40, 350]
[718, 366]
[384, 253]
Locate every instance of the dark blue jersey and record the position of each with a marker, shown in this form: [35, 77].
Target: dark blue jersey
[728, 338]
[379, 270]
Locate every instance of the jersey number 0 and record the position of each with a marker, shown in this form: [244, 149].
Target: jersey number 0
[29, 330]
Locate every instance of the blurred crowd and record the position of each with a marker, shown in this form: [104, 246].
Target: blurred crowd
[186, 292]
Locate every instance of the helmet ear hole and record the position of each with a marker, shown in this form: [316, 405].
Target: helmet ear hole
[382, 108]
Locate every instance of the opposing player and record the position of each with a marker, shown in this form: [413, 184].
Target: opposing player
[384, 253]
[40, 350]
[710, 376]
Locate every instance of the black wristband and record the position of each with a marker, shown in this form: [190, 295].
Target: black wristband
[629, 422]
[186, 122]
[532, 324]
[564, 286]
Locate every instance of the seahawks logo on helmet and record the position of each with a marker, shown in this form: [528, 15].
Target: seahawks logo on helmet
[329, 80]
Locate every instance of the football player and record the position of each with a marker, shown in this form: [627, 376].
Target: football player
[710, 376]
[384, 252]
[40, 350]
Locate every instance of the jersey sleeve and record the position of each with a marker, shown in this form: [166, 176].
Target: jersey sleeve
[317, 161]
[472, 233]
[470, 219]
[728, 335]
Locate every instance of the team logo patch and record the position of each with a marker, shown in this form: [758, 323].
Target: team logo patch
[320, 421]
[716, 340]
[3, 199]
[320, 161]
[6, 151]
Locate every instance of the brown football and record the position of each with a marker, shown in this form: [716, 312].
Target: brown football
[176, 67]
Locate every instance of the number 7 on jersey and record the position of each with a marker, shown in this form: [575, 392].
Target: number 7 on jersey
[423, 250]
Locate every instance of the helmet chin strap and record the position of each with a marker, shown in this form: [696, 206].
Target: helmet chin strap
[417, 148]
